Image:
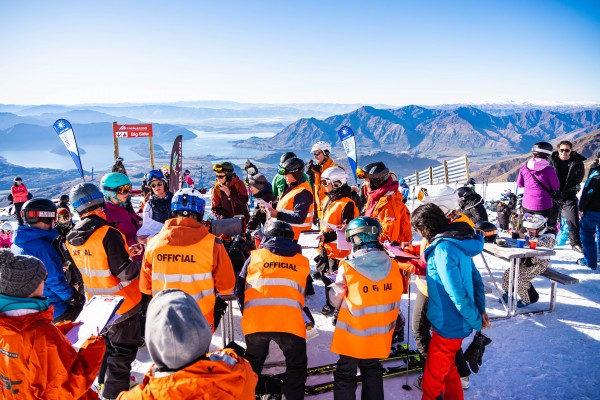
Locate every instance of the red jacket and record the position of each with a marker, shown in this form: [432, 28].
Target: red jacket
[19, 193]
[236, 203]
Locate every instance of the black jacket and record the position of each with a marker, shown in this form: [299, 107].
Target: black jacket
[259, 217]
[472, 206]
[590, 197]
[161, 208]
[574, 176]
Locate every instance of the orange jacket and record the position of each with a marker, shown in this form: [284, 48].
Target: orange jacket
[333, 216]
[38, 362]
[206, 379]
[318, 190]
[286, 205]
[185, 256]
[19, 193]
[369, 309]
[394, 217]
[275, 293]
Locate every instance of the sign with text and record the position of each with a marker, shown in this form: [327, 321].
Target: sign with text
[132, 130]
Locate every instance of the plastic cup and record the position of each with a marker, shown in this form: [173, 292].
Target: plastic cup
[521, 243]
[417, 248]
[533, 244]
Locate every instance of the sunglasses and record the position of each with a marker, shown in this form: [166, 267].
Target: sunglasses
[325, 182]
[317, 153]
[153, 185]
[564, 150]
[125, 189]
[220, 176]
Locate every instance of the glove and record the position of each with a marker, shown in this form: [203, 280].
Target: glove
[474, 353]
[420, 266]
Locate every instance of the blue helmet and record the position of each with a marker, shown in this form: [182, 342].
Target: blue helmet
[363, 230]
[188, 201]
[154, 174]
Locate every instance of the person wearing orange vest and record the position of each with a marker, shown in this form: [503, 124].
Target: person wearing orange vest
[322, 161]
[384, 203]
[185, 255]
[19, 196]
[296, 203]
[338, 210]
[101, 254]
[367, 290]
[270, 291]
[178, 339]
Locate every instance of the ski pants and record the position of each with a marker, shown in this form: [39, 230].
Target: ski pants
[441, 376]
[18, 207]
[422, 330]
[345, 383]
[294, 351]
[590, 224]
[569, 210]
[122, 342]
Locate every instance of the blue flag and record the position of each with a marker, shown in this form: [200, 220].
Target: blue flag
[65, 132]
[346, 135]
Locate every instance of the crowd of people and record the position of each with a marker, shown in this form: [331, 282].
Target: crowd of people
[171, 270]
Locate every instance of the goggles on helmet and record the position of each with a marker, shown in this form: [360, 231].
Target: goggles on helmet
[64, 218]
[125, 189]
[422, 194]
[360, 173]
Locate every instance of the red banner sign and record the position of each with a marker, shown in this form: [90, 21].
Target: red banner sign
[132, 130]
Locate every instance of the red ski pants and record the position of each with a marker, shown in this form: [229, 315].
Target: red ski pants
[441, 375]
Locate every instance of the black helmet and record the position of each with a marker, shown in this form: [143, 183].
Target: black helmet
[37, 210]
[488, 230]
[294, 166]
[543, 149]
[377, 173]
[17, 179]
[464, 192]
[471, 181]
[86, 196]
[286, 156]
[64, 198]
[279, 229]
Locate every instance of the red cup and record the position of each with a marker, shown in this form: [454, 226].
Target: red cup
[416, 248]
[533, 244]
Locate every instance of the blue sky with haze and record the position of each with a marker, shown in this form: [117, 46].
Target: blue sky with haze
[390, 52]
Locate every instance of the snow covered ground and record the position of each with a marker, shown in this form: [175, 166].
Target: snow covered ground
[551, 356]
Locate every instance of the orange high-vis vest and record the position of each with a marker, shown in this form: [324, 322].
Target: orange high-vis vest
[332, 215]
[274, 295]
[92, 261]
[286, 205]
[318, 190]
[368, 314]
[187, 268]
[394, 217]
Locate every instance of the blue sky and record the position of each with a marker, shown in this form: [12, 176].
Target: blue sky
[377, 52]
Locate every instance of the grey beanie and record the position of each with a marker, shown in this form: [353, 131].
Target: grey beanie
[20, 276]
[258, 180]
[177, 332]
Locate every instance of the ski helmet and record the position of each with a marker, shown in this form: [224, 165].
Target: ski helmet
[543, 149]
[6, 227]
[464, 192]
[111, 182]
[279, 229]
[377, 173]
[154, 175]
[336, 176]
[39, 210]
[471, 181]
[535, 221]
[442, 196]
[165, 170]
[286, 156]
[64, 198]
[363, 230]
[17, 179]
[225, 166]
[86, 197]
[294, 166]
[488, 230]
[321, 146]
[188, 202]
[120, 159]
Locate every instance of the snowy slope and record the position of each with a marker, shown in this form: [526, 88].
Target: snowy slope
[550, 356]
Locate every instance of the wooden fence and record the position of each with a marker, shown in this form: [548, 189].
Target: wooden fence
[451, 171]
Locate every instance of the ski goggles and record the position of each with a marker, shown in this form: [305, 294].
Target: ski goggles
[325, 182]
[360, 173]
[125, 189]
[154, 174]
[64, 218]
[422, 194]
[155, 184]
[280, 170]
[317, 153]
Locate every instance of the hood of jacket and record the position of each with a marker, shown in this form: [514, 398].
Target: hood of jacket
[469, 243]
[281, 246]
[26, 233]
[537, 164]
[373, 263]
[183, 231]
[84, 228]
[16, 325]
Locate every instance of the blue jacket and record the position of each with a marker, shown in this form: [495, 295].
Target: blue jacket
[455, 287]
[37, 242]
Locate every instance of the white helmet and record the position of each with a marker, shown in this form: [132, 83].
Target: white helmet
[535, 221]
[7, 226]
[336, 175]
[323, 146]
[442, 196]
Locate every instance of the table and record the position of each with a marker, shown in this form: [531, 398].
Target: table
[513, 255]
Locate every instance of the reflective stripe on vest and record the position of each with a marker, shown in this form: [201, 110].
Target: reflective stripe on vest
[286, 205]
[274, 295]
[376, 330]
[380, 308]
[332, 215]
[108, 291]
[161, 276]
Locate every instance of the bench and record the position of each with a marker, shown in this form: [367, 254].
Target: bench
[555, 278]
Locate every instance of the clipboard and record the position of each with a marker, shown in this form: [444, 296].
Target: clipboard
[396, 251]
[96, 314]
[308, 239]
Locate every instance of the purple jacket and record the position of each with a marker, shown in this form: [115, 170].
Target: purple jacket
[534, 197]
[128, 223]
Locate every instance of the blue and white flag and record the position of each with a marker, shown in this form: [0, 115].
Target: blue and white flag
[65, 132]
[348, 140]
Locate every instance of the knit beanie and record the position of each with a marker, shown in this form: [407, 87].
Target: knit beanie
[259, 181]
[20, 276]
[177, 332]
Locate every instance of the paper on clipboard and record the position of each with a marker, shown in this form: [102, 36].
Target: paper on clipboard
[342, 244]
[396, 251]
[95, 315]
[308, 239]
[263, 203]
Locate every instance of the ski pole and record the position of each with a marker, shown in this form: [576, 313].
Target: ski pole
[406, 386]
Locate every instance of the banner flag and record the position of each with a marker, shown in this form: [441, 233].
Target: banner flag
[65, 132]
[348, 140]
[175, 165]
